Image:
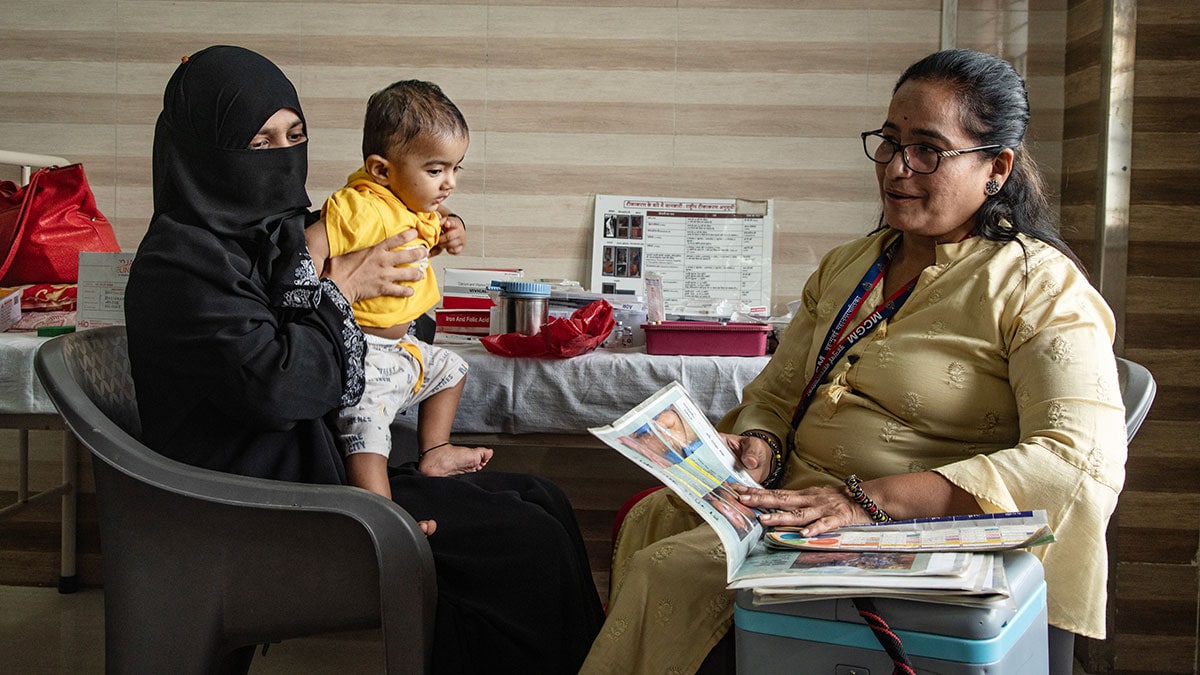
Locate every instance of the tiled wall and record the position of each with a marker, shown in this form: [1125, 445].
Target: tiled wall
[566, 98]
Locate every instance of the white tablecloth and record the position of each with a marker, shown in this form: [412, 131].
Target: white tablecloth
[503, 395]
[520, 396]
[21, 393]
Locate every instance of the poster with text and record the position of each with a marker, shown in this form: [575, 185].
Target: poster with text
[705, 250]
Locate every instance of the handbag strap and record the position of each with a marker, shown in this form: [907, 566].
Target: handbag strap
[13, 216]
[887, 638]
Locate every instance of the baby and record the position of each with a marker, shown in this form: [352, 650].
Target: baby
[414, 141]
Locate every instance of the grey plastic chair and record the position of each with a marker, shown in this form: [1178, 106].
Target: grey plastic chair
[1137, 391]
[200, 566]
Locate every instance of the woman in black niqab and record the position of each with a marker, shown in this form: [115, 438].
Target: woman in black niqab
[226, 316]
[242, 354]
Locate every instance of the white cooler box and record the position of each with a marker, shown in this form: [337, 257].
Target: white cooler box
[828, 637]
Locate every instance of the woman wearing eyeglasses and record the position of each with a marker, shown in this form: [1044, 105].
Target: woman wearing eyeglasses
[954, 361]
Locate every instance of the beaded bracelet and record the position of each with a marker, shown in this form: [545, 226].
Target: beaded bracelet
[854, 485]
[773, 479]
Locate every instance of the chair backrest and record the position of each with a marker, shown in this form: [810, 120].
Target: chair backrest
[1137, 391]
[98, 362]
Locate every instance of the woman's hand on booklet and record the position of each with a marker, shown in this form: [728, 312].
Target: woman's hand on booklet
[812, 510]
[753, 453]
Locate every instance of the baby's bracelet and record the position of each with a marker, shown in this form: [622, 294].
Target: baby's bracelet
[854, 485]
[426, 451]
[464, 224]
[776, 475]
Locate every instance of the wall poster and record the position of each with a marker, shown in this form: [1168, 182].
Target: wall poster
[706, 250]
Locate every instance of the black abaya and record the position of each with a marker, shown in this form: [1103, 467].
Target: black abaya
[241, 355]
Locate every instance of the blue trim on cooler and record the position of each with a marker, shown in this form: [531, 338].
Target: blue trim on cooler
[927, 645]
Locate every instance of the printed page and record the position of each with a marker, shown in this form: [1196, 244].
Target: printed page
[669, 437]
[765, 568]
[986, 532]
[995, 589]
[704, 250]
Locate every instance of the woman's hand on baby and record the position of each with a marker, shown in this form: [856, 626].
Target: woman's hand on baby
[451, 460]
[814, 510]
[375, 271]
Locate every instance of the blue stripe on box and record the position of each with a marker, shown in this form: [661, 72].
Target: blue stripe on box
[927, 645]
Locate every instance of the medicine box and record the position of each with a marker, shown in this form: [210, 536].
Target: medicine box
[706, 338]
[999, 636]
[464, 321]
[10, 307]
[466, 287]
[101, 295]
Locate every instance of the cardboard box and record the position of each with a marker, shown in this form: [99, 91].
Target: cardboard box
[10, 307]
[466, 288]
[102, 279]
[464, 321]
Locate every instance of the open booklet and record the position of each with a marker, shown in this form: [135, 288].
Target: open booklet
[668, 436]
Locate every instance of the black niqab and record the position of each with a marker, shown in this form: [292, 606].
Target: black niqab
[204, 173]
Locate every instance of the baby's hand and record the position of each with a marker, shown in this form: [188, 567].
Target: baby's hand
[454, 236]
[450, 460]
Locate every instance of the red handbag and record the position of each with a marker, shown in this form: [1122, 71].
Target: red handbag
[45, 224]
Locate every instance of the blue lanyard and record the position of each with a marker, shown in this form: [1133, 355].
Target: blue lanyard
[834, 347]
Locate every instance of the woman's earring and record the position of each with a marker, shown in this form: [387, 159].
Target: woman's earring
[992, 187]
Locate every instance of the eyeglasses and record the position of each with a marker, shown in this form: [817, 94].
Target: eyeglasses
[918, 157]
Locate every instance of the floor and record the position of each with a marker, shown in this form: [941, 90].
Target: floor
[45, 633]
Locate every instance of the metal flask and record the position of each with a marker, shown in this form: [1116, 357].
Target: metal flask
[520, 307]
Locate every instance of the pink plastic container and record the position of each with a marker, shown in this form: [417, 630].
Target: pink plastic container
[701, 338]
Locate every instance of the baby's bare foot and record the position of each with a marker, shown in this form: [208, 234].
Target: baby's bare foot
[450, 460]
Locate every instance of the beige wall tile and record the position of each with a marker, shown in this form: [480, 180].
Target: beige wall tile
[51, 15]
[584, 23]
[799, 25]
[759, 99]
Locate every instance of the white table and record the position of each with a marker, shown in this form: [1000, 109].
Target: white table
[566, 396]
[553, 400]
[24, 405]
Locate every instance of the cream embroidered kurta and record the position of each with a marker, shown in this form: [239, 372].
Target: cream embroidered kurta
[998, 373]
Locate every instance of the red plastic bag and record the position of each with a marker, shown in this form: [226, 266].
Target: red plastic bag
[560, 338]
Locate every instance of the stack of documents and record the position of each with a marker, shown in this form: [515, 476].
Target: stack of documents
[952, 559]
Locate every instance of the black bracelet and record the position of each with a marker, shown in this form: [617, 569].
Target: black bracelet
[460, 219]
[854, 485]
[776, 476]
[426, 451]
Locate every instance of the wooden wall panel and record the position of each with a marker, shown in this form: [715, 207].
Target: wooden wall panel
[1156, 563]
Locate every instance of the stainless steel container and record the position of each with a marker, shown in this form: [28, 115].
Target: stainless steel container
[520, 307]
